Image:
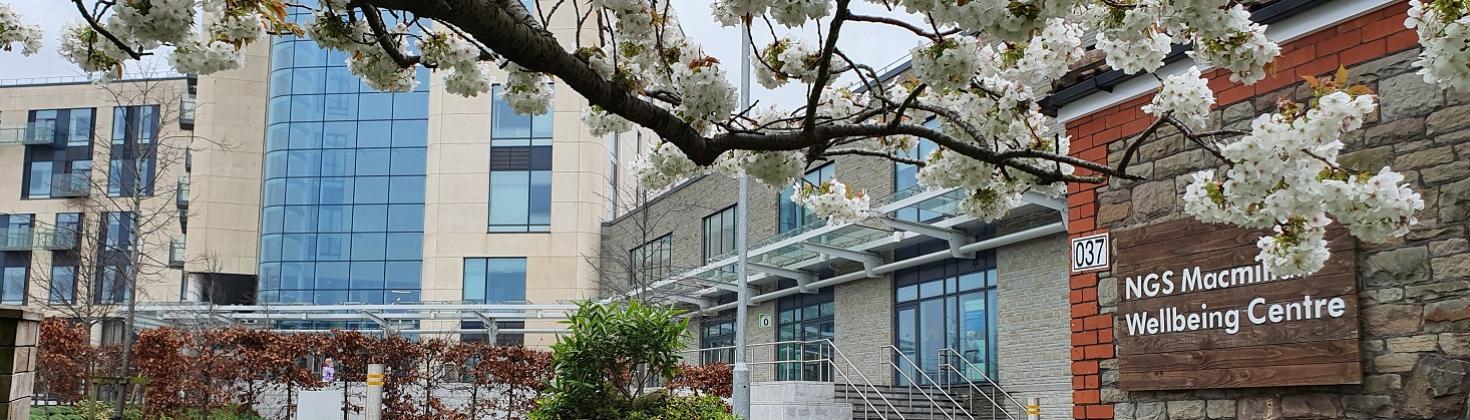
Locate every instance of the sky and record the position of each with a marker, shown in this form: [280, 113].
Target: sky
[875, 45]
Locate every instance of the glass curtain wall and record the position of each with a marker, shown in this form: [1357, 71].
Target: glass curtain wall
[344, 181]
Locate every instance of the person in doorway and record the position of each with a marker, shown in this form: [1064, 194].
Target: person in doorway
[329, 371]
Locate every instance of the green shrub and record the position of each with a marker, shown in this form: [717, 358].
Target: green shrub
[609, 352]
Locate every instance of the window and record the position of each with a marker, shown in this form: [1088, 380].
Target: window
[794, 215]
[520, 169]
[112, 284]
[717, 339]
[63, 284]
[494, 280]
[905, 176]
[134, 124]
[131, 170]
[954, 312]
[69, 134]
[117, 231]
[39, 180]
[719, 233]
[651, 261]
[805, 321]
[13, 289]
[17, 232]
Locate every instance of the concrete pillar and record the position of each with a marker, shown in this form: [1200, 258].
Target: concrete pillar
[18, 332]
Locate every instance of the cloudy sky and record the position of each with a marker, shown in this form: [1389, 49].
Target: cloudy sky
[871, 44]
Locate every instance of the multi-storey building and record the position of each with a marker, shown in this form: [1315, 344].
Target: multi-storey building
[98, 191]
[305, 188]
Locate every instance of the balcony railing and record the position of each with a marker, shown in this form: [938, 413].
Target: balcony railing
[176, 254]
[42, 134]
[57, 239]
[76, 184]
[181, 193]
[186, 112]
[16, 239]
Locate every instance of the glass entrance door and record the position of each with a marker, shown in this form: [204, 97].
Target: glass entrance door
[807, 360]
[947, 313]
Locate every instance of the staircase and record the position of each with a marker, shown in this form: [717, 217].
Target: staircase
[911, 404]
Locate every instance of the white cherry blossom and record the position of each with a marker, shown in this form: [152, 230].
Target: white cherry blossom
[1186, 94]
[13, 30]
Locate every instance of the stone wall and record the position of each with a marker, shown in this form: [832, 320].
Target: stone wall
[1032, 295]
[1414, 293]
[18, 332]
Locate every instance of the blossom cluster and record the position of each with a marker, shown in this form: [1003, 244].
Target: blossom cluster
[1285, 175]
[662, 165]
[1187, 95]
[1444, 32]
[783, 60]
[466, 74]
[15, 31]
[833, 201]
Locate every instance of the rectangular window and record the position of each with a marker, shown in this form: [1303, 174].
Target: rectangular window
[792, 215]
[112, 284]
[63, 284]
[134, 124]
[905, 177]
[494, 280]
[117, 231]
[39, 180]
[651, 261]
[134, 132]
[520, 170]
[717, 341]
[719, 233]
[17, 231]
[13, 289]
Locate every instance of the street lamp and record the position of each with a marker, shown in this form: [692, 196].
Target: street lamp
[740, 395]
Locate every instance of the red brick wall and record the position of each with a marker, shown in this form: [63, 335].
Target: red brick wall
[1364, 38]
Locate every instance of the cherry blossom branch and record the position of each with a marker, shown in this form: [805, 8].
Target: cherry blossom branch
[866, 152]
[380, 33]
[901, 24]
[92, 21]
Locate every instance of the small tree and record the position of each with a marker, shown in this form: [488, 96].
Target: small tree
[64, 356]
[608, 356]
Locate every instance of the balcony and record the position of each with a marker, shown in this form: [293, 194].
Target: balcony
[16, 239]
[71, 185]
[181, 193]
[176, 254]
[42, 134]
[57, 239]
[187, 105]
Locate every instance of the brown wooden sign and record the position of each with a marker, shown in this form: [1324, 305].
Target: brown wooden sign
[1197, 311]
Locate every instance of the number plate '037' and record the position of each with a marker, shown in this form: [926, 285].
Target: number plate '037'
[1090, 253]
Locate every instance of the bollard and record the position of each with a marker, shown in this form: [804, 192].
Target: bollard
[374, 392]
[1033, 408]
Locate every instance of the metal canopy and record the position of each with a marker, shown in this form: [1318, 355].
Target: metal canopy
[904, 217]
[399, 317]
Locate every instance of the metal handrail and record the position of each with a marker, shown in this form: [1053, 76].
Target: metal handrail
[992, 383]
[931, 381]
[994, 404]
[911, 381]
[835, 368]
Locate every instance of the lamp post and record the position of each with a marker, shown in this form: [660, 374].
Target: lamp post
[740, 381]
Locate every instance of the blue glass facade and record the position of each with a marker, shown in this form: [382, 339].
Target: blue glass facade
[343, 204]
